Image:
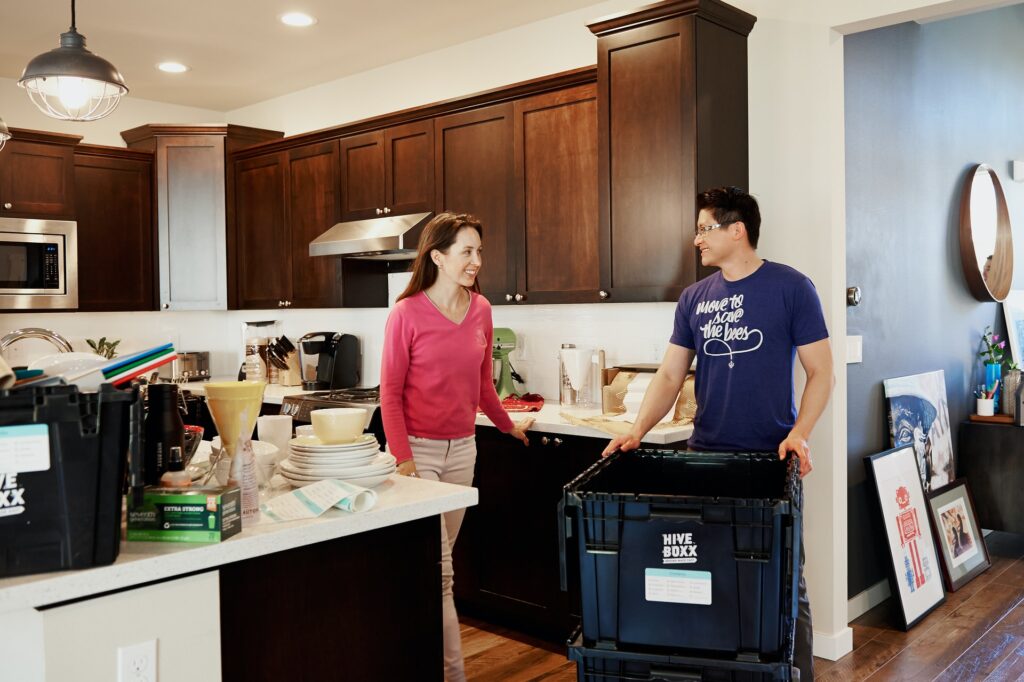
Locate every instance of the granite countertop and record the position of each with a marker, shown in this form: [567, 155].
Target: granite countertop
[400, 499]
[549, 420]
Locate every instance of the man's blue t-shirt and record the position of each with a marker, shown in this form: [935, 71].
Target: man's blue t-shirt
[745, 334]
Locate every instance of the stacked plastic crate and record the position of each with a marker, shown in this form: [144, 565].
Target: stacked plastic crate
[688, 566]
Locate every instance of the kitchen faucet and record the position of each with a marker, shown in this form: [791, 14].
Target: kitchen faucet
[35, 333]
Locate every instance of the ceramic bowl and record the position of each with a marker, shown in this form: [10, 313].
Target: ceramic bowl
[338, 424]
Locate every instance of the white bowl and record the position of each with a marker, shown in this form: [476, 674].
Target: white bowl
[338, 424]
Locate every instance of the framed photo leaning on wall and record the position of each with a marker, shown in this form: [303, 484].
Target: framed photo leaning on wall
[963, 551]
[1013, 311]
[915, 575]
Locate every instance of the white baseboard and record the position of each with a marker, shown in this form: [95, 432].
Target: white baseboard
[868, 599]
[833, 647]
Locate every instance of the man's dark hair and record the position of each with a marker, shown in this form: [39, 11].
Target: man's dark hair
[729, 204]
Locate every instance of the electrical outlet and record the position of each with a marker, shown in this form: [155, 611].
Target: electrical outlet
[137, 662]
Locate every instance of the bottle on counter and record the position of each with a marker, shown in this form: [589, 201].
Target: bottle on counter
[175, 476]
[163, 430]
[255, 363]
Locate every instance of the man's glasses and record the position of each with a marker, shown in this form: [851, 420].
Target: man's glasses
[702, 230]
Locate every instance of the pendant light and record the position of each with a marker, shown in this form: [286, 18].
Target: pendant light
[5, 133]
[70, 82]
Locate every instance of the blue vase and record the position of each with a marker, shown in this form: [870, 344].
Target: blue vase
[993, 373]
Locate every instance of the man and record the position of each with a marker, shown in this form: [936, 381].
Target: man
[745, 324]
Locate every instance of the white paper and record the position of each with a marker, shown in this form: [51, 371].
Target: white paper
[677, 586]
[24, 448]
[313, 500]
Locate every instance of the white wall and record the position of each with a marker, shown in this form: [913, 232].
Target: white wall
[18, 111]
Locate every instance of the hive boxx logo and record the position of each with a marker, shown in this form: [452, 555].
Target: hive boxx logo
[678, 548]
[12, 495]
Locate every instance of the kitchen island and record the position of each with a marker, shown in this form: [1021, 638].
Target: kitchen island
[318, 599]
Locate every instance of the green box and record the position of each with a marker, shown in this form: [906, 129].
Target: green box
[186, 515]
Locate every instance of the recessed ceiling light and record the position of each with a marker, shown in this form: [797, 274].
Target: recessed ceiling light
[297, 19]
[172, 67]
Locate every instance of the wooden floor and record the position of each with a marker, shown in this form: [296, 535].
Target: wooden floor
[977, 634]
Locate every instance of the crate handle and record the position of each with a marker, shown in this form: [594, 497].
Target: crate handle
[675, 675]
[565, 526]
[689, 514]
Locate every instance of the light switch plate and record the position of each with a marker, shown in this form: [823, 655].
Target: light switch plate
[137, 662]
[854, 349]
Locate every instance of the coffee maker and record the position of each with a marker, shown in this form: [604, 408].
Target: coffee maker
[329, 360]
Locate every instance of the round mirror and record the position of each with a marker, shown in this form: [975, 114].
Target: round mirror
[986, 244]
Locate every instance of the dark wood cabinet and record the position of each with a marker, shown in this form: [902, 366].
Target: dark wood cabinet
[313, 204]
[672, 106]
[362, 176]
[116, 231]
[37, 175]
[283, 201]
[474, 173]
[990, 459]
[556, 235]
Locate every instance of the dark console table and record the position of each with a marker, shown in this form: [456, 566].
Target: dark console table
[991, 458]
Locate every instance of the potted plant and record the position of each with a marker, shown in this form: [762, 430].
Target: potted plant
[993, 351]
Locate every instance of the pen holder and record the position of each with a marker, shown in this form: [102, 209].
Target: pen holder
[985, 407]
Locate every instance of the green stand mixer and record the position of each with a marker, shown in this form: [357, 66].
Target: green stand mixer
[502, 346]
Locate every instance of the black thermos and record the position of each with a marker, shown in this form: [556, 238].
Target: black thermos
[162, 431]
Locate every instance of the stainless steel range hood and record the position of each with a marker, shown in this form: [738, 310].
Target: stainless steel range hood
[372, 239]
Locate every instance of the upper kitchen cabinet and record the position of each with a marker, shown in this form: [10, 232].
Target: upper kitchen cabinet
[389, 171]
[474, 173]
[37, 175]
[283, 201]
[191, 186]
[556, 236]
[113, 204]
[672, 121]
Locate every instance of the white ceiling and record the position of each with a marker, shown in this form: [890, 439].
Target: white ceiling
[238, 50]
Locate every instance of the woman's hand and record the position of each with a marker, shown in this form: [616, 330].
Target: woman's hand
[407, 468]
[520, 430]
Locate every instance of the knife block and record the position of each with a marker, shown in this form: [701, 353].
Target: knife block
[293, 375]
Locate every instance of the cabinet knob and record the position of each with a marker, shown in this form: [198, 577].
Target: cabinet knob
[603, 294]
[280, 304]
[520, 297]
[557, 442]
[8, 205]
[508, 297]
[387, 210]
[378, 211]
[166, 306]
[544, 440]
[287, 304]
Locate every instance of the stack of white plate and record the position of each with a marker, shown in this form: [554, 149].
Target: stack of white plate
[358, 461]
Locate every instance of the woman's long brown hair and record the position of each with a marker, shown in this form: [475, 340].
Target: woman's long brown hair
[440, 233]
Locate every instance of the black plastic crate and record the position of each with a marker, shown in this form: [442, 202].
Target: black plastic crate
[69, 514]
[687, 551]
[604, 665]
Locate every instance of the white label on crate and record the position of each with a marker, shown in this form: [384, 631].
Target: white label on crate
[24, 448]
[677, 587]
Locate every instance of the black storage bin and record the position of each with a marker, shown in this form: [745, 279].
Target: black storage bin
[68, 515]
[603, 665]
[688, 551]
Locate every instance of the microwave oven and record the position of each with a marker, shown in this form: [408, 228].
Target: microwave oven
[38, 264]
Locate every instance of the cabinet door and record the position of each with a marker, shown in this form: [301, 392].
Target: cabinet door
[474, 174]
[263, 248]
[116, 260]
[409, 170]
[556, 189]
[362, 176]
[647, 149]
[312, 209]
[37, 180]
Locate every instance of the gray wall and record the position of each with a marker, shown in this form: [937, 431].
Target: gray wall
[923, 104]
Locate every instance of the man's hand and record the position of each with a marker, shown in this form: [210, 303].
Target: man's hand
[797, 444]
[623, 444]
[520, 430]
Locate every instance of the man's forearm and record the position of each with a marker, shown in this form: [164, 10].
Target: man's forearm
[817, 392]
[660, 397]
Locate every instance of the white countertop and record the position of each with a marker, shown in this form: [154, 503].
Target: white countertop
[272, 394]
[400, 499]
[549, 420]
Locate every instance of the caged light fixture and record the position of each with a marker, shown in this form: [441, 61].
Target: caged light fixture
[5, 133]
[70, 82]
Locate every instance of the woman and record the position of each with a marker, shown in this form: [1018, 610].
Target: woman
[435, 371]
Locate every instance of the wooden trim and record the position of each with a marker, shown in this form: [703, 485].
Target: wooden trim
[113, 152]
[712, 10]
[587, 74]
[26, 135]
[144, 132]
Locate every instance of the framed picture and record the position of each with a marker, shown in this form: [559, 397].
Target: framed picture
[963, 550]
[1013, 311]
[917, 583]
[919, 417]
